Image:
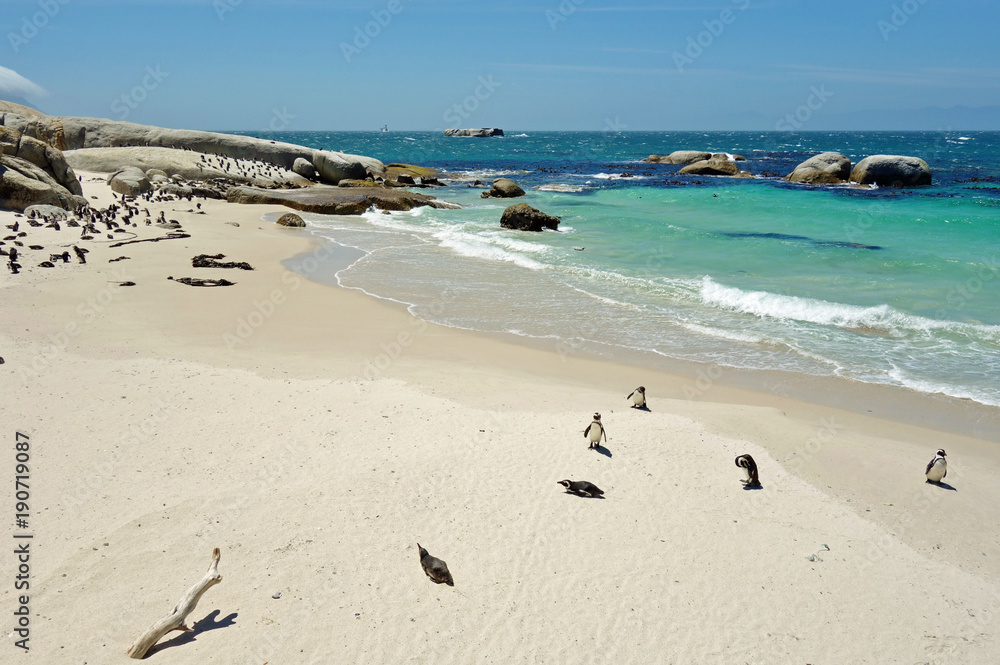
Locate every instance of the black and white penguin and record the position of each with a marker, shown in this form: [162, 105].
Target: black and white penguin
[582, 488]
[435, 568]
[749, 467]
[638, 397]
[595, 430]
[937, 468]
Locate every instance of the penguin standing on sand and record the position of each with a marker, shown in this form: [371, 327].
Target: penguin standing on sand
[749, 467]
[595, 430]
[582, 488]
[937, 468]
[638, 397]
[435, 568]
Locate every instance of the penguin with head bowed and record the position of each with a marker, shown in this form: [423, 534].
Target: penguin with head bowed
[638, 397]
[582, 488]
[436, 569]
[937, 468]
[749, 467]
[594, 431]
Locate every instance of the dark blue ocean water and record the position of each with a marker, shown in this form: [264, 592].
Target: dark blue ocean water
[876, 285]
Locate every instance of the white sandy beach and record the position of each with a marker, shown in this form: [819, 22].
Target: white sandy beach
[316, 435]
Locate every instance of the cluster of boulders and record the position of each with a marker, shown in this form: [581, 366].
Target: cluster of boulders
[40, 153]
[692, 157]
[828, 168]
[832, 168]
[698, 162]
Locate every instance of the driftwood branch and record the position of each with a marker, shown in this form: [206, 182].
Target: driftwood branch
[174, 620]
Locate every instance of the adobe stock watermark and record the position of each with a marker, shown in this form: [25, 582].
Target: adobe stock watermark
[363, 36]
[559, 15]
[962, 293]
[223, 7]
[131, 100]
[697, 44]
[30, 26]
[280, 119]
[794, 121]
[458, 112]
[901, 13]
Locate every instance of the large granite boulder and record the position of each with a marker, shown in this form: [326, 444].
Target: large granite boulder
[292, 220]
[711, 167]
[892, 171]
[685, 157]
[334, 167]
[503, 189]
[822, 169]
[130, 181]
[71, 133]
[328, 200]
[42, 155]
[23, 184]
[188, 164]
[304, 168]
[33, 172]
[522, 217]
[478, 132]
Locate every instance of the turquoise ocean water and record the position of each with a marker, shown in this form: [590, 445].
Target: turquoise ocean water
[896, 287]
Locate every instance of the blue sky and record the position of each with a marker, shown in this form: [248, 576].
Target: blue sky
[575, 64]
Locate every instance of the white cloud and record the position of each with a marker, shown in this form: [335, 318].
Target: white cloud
[12, 83]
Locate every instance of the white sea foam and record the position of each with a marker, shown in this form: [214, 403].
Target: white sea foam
[475, 246]
[571, 189]
[608, 176]
[883, 318]
[941, 388]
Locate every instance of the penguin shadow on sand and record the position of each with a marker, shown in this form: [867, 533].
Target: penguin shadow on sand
[942, 485]
[210, 622]
[602, 450]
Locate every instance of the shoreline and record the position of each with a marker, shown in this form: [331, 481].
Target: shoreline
[692, 380]
[317, 449]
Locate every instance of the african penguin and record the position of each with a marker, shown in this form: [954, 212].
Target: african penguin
[582, 488]
[937, 468]
[595, 430]
[435, 568]
[749, 467]
[638, 397]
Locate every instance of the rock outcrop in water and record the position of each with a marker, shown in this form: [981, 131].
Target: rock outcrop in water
[826, 168]
[503, 189]
[892, 171]
[711, 167]
[478, 133]
[680, 157]
[522, 217]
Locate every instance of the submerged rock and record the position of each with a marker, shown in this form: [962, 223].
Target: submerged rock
[522, 217]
